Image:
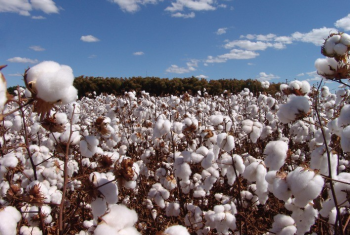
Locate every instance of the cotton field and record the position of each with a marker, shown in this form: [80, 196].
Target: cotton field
[175, 165]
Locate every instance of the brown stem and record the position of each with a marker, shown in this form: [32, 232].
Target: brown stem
[329, 165]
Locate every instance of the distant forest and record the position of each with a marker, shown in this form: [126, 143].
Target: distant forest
[165, 86]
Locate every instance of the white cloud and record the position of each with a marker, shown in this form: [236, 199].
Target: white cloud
[23, 7]
[181, 15]
[92, 56]
[37, 48]
[266, 77]
[176, 69]
[22, 60]
[139, 53]
[259, 37]
[234, 54]
[132, 6]
[202, 76]
[248, 45]
[89, 38]
[191, 66]
[343, 23]
[300, 74]
[315, 36]
[38, 17]
[195, 5]
[47, 6]
[222, 6]
[221, 31]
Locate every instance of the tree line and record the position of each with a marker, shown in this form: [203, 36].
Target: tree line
[165, 86]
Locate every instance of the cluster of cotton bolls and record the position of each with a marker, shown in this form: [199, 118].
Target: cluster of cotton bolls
[336, 64]
[139, 164]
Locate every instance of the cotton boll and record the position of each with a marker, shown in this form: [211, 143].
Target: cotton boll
[345, 139]
[24, 230]
[226, 142]
[173, 209]
[326, 66]
[296, 107]
[340, 49]
[103, 229]
[53, 82]
[128, 218]
[319, 160]
[176, 230]
[305, 185]
[9, 218]
[304, 218]
[345, 39]
[276, 153]
[283, 225]
[109, 189]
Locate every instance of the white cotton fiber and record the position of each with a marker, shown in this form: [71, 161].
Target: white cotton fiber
[296, 105]
[54, 82]
[176, 230]
[283, 225]
[344, 117]
[120, 217]
[340, 49]
[305, 185]
[276, 153]
[9, 217]
[345, 39]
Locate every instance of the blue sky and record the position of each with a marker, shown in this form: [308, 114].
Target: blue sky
[275, 40]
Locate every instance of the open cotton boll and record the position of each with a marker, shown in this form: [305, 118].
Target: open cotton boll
[173, 209]
[296, 107]
[176, 230]
[345, 139]
[159, 194]
[9, 217]
[319, 160]
[304, 218]
[98, 207]
[283, 225]
[161, 128]
[109, 189]
[340, 49]
[305, 185]
[88, 146]
[226, 142]
[345, 39]
[276, 154]
[53, 82]
[344, 117]
[326, 66]
[125, 217]
[24, 230]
